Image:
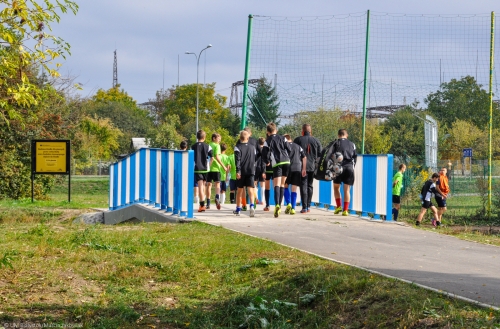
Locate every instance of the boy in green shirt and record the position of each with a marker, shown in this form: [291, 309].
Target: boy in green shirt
[214, 172]
[223, 175]
[397, 185]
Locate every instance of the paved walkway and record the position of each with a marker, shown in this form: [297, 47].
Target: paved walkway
[467, 269]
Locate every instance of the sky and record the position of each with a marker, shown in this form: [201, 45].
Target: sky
[152, 36]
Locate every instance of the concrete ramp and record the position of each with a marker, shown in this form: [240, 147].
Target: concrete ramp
[141, 212]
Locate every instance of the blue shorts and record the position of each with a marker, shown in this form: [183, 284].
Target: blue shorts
[232, 185]
[223, 186]
[441, 203]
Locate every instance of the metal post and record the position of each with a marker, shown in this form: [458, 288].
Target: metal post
[364, 82]
[490, 139]
[197, 97]
[247, 69]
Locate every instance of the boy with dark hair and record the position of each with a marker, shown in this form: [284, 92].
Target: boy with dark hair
[232, 181]
[202, 152]
[397, 185]
[348, 151]
[275, 152]
[183, 146]
[223, 174]
[244, 156]
[428, 191]
[214, 173]
[298, 164]
[260, 173]
[268, 176]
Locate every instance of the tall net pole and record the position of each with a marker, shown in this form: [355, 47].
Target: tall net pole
[247, 69]
[492, 53]
[364, 82]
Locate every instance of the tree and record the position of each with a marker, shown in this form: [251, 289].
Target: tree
[24, 45]
[166, 134]
[264, 106]
[99, 138]
[462, 99]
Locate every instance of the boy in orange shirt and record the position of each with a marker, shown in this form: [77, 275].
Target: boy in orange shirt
[443, 188]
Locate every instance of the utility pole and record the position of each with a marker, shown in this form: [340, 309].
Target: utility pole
[115, 72]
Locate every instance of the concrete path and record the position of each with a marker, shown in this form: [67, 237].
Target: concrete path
[466, 269]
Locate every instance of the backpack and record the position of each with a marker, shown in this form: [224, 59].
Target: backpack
[324, 164]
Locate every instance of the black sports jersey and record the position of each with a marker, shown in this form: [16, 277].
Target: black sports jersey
[276, 150]
[202, 154]
[311, 147]
[348, 150]
[244, 158]
[429, 190]
[296, 156]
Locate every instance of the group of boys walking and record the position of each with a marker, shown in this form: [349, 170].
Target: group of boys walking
[274, 158]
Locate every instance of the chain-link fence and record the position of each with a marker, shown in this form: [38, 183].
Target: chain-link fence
[90, 167]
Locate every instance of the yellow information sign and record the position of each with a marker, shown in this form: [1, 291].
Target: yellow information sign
[51, 157]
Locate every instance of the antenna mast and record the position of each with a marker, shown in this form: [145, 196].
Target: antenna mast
[115, 72]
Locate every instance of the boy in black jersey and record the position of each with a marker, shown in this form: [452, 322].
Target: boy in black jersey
[202, 152]
[348, 151]
[298, 164]
[268, 176]
[428, 191]
[244, 158]
[275, 153]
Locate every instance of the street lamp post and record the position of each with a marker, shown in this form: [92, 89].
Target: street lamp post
[197, 70]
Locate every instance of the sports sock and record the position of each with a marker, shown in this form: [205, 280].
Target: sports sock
[276, 195]
[346, 206]
[287, 196]
[244, 200]
[231, 197]
[251, 206]
[266, 194]
[294, 199]
[202, 203]
[261, 198]
[396, 213]
[282, 194]
[338, 201]
[223, 198]
[217, 196]
[208, 202]
[238, 208]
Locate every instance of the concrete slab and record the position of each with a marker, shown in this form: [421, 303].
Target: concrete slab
[142, 213]
[467, 270]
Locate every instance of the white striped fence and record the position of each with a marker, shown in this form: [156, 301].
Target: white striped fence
[158, 177]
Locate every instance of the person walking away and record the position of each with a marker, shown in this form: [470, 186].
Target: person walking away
[260, 173]
[312, 149]
[348, 151]
[275, 153]
[202, 154]
[298, 164]
[223, 174]
[397, 185]
[443, 189]
[244, 157]
[268, 177]
[428, 191]
[232, 180]
[183, 147]
[214, 173]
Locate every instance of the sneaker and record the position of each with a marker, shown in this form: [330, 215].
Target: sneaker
[438, 223]
[345, 213]
[417, 223]
[202, 209]
[292, 211]
[288, 208]
[308, 210]
[434, 223]
[303, 211]
[236, 212]
[244, 208]
[266, 209]
[252, 212]
[338, 210]
[217, 204]
[277, 211]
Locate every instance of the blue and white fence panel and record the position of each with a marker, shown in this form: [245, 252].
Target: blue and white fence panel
[371, 193]
[158, 177]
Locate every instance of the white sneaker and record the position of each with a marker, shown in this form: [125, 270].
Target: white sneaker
[252, 212]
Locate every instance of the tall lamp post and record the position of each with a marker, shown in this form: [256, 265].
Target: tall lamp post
[197, 66]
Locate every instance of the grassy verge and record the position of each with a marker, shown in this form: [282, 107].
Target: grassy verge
[200, 276]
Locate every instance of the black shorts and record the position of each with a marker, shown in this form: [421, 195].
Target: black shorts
[246, 181]
[199, 176]
[441, 203]
[396, 199]
[258, 177]
[281, 170]
[347, 176]
[213, 176]
[427, 204]
[269, 176]
[294, 178]
[223, 186]
[233, 184]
